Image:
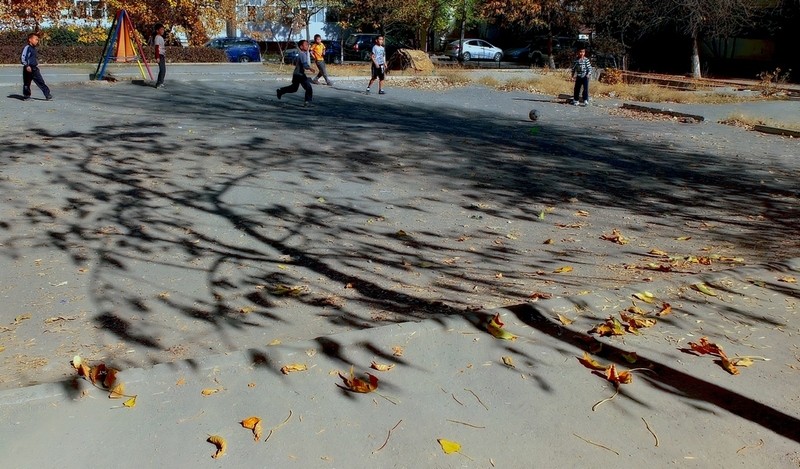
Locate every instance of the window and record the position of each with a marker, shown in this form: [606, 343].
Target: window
[251, 13]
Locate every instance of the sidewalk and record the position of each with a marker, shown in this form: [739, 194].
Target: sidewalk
[450, 381]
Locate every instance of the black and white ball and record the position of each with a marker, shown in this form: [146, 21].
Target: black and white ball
[533, 115]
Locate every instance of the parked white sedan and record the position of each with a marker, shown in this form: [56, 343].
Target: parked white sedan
[474, 49]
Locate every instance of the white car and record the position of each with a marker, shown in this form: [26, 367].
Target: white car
[474, 49]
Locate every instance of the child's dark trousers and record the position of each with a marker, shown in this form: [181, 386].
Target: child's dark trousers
[581, 82]
[33, 76]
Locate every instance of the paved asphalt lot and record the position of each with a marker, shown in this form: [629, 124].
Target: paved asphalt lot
[144, 226]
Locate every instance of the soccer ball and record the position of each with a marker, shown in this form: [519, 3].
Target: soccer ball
[533, 115]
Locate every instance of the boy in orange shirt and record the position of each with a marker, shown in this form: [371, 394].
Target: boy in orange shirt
[318, 56]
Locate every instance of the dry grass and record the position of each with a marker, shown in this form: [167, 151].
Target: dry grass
[748, 122]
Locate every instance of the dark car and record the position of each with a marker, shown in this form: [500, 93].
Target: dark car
[333, 53]
[238, 49]
[359, 46]
[518, 54]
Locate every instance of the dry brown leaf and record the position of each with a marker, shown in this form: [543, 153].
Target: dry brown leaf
[788, 279]
[293, 367]
[624, 377]
[359, 385]
[565, 320]
[548, 241]
[705, 347]
[615, 237]
[110, 378]
[540, 295]
[381, 367]
[220, 443]
[398, 351]
[563, 269]
[181, 381]
[254, 424]
[728, 366]
[210, 391]
[658, 252]
[665, 309]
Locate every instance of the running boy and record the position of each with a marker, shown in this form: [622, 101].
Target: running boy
[318, 55]
[581, 71]
[30, 69]
[378, 65]
[299, 77]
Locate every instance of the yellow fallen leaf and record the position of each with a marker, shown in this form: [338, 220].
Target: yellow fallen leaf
[548, 241]
[728, 366]
[658, 252]
[275, 342]
[293, 367]
[381, 367]
[683, 238]
[209, 391]
[591, 363]
[253, 423]
[703, 288]
[181, 381]
[562, 270]
[118, 392]
[508, 361]
[741, 361]
[130, 402]
[565, 320]
[246, 310]
[665, 310]
[788, 279]
[220, 443]
[449, 447]
[630, 357]
[645, 296]
[76, 362]
[398, 351]
[495, 327]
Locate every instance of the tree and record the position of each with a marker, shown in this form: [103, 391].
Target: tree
[20, 14]
[618, 22]
[707, 18]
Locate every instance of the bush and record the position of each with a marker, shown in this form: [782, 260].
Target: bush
[93, 54]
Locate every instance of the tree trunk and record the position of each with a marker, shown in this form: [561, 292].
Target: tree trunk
[695, 57]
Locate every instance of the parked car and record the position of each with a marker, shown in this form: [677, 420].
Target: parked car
[333, 53]
[518, 54]
[539, 54]
[359, 46]
[474, 49]
[238, 49]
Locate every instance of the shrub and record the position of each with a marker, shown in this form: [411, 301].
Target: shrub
[93, 54]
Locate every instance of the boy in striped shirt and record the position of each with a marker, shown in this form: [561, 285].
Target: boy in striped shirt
[581, 71]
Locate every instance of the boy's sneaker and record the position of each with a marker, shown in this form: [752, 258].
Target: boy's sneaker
[26, 98]
[48, 98]
[367, 91]
[381, 92]
[330, 83]
[307, 104]
[574, 103]
[279, 94]
[584, 104]
[315, 81]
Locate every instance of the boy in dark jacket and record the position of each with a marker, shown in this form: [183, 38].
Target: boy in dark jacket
[30, 69]
[299, 78]
[581, 71]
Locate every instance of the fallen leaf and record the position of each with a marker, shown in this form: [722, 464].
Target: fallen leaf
[381, 367]
[610, 327]
[615, 237]
[20, 318]
[130, 402]
[495, 327]
[665, 310]
[285, 290]
[220, 443]
[637, 321]
[398, 351]
[111, 376]
[703, 288]
[181, 381]
[508, 361]
[210, 391]
[548, 241]
[359, 385]
[76, 362]
[293, 367]
[591, 363]
[630, 357]
[788, 279]
[565, 320]
[246, 310]
[98, 373]
[658, 252]
[118, 392]
[581, 213]
[84, 370]
[635, 310]
[741, 361]
[275, 342]
[562, 270]
[728, 366]
[645, 296]
[683, 238]
[705, 347]
[624, 377]
[449, 447]
[539, 295]
[253, 423]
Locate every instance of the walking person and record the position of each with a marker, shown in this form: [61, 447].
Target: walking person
[318, 56]
[581, 71]
[30, 69]
[378, 65]
[161, 54]
[299, 77]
